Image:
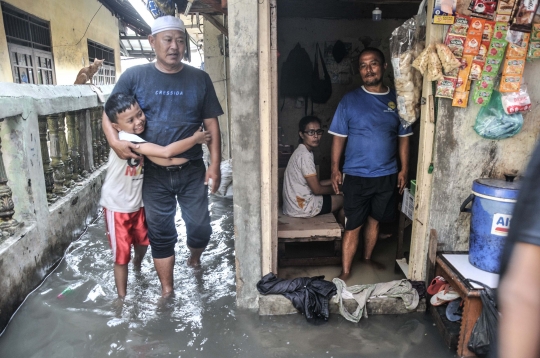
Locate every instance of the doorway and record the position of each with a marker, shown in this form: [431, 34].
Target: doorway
[319, 22]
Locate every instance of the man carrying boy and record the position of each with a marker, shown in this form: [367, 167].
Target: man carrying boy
[121, 194]
[176, 100]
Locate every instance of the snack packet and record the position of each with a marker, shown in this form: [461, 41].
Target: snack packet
[510, 84]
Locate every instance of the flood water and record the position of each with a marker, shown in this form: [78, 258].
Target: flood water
[200, 321]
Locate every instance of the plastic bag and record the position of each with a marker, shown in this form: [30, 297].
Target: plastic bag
[406, 43]
[516, 102]
[226, 177]
[493, 123]
[484, 333]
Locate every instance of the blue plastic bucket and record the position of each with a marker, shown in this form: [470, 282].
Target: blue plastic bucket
[493, 202]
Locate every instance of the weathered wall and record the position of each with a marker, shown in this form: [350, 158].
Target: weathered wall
[245, 126]
[308, 32]
[69, 40]
[461, 156]
[26, 257]
[219, 73]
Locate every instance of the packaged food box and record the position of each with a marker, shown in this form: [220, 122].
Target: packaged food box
[510, 83]
[492, 65]
[444, 12]
[446, 87]
[456, 44]
[525, 15]
[460, 26]
[513, 66]
[461, 99]
[504, 10]
[483, 8]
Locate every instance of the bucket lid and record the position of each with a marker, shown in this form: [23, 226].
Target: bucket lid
[496, 188]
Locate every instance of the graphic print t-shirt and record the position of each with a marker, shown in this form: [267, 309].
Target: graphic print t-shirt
[298, 199]
[122, 189]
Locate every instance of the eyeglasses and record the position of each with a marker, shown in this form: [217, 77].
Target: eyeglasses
[312, 132]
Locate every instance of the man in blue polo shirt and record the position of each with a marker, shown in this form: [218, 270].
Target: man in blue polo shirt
[367, 120]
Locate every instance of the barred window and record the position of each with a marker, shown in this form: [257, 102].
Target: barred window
[107, 73]
[29, 46]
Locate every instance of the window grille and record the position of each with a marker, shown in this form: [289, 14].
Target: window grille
[107, 73]
[29, 46]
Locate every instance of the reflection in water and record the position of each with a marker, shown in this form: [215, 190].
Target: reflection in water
[74, 313]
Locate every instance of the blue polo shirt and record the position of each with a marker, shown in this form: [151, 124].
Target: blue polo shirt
[371, 123]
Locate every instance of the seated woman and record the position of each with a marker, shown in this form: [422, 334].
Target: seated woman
[304, 196]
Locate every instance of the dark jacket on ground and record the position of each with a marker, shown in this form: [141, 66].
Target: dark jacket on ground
[308, 295]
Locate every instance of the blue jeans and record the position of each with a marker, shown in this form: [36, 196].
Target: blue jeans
[161, 190]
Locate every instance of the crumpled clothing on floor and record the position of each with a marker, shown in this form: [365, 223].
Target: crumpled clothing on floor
[308, 295]
[361, 293]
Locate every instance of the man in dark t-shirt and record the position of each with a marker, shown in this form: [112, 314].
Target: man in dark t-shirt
[519, 290]
[177, 100]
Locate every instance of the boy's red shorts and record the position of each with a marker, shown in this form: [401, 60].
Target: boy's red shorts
[125, 230]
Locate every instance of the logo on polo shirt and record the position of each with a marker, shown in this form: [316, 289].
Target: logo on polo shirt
[391, 105]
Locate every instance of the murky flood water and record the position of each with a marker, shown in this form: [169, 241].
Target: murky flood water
[200, 321]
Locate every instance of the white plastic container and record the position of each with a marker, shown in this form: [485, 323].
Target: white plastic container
[376, 15]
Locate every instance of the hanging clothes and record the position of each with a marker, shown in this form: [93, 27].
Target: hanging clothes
[310, 296]
[361, 293]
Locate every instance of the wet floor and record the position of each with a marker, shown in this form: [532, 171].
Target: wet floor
[201, 320]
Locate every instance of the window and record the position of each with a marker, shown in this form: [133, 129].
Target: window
[107, 72]
[29, 46]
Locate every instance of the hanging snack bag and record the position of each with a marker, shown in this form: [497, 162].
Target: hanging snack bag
[510, 83]
[525, 16]
[535, 33]
[501, 28]
[504, 10]
[474, 37]
[460, 26]
[421, 62]
[482, 53]
[463, 74]
[487, 82]
[481, 96]
[513, 67]
[483, 8]
[492, 65]
[455, 43]
[516, 102]
[448, 60]
[434, 72]
[476, 70]
[518, 50]
[489, 28]
[534, 50]
[497, 48]
[461, 99]
[446, 87]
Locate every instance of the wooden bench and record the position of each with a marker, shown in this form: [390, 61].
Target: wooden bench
[315, 229]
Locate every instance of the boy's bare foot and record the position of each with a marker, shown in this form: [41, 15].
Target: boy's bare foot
[193, 262]
[118, 306]
[344, 276]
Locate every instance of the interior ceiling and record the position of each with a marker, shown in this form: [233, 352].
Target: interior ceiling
[347, 9]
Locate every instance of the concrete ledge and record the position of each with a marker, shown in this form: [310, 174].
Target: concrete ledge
[279, 305]
[26, 258]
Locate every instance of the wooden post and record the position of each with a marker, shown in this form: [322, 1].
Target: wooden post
[47, 170]
[73, 148]
[64, 152]
[8, 225]
[420, 229]
[56, 156]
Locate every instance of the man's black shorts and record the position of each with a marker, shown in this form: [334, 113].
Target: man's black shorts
[363, 197]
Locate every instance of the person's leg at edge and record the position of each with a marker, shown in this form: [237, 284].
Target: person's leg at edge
[194, 259]
[120, 279]
[140, 251]
[165, 268]
[371, 235]
[348, 247]
[337, 208]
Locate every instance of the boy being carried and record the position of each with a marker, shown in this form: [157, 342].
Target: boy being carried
[121, 195]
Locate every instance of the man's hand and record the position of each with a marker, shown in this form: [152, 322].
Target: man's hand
[213, 172]
[336, 181]
[402, 181]
[123, 149]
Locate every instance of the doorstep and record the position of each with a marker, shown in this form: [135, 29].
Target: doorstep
[273, 305]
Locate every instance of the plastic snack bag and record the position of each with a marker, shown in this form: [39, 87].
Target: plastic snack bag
[448, 60]
[516, 102]
[492, 122]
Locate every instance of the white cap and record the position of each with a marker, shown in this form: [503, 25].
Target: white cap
[167, 22]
